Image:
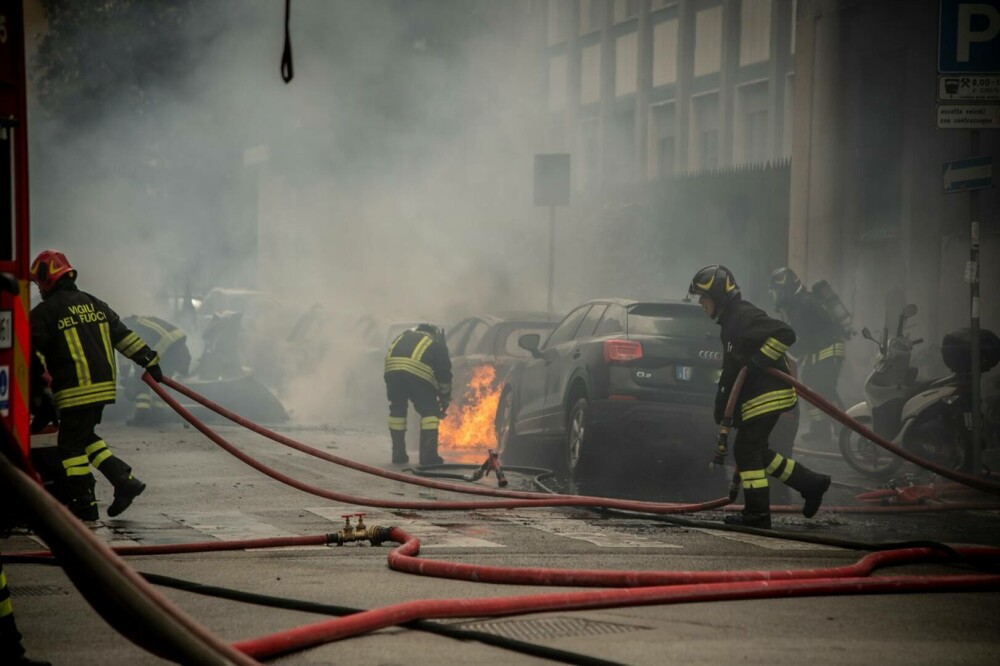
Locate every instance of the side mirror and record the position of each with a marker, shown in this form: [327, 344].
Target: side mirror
[867, 335]
[530, 341]
[909, 311]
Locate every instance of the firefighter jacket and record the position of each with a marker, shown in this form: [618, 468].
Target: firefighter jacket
[75, 336]
[751, 338]
[422, 355]
[819, 336]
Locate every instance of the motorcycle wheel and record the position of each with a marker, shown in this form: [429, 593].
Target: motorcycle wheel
[937, 442]
[866, 456]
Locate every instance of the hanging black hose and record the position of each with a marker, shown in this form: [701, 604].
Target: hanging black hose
[287, 70]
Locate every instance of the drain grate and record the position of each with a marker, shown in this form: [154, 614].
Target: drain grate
[36, 590]
[549, 627]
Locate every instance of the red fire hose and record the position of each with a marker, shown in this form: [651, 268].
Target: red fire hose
[769, 585]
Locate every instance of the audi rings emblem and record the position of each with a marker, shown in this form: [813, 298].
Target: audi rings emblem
[710, 355]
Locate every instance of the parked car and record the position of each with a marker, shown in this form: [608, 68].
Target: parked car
[491, 339]
[615, 378]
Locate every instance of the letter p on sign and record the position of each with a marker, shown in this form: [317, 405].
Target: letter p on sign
[969, 38]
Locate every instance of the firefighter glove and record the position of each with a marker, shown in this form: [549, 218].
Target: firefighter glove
[444, 401]
[721, 447]
[155, 372]
[44, 412]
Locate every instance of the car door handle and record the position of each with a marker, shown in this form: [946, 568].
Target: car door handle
[576, 353]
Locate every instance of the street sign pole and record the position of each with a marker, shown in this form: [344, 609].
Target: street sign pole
[552, 255]
[977, 412]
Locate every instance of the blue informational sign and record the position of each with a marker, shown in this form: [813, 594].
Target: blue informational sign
[969, 37]
[4, 387]
[973, 173]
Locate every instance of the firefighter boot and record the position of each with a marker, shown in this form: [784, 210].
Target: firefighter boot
[429, 448]
[811, 486]
[127, 487]
[80, 497]
[756, 509]
[399, 456]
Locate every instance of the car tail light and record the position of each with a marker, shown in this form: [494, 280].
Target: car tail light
[620, 351]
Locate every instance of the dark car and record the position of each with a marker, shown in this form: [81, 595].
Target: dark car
[491, 339]
[615, 376]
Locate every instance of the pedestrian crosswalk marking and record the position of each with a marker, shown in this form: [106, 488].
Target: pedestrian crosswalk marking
[764, 542]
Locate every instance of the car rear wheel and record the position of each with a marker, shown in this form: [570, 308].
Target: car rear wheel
[579, 440]
[509, 445]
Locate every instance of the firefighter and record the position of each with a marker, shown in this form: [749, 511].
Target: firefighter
[753, 340]
[418, 370]
[11, 650]
[170, 344]
[74, 336]
[820, 348]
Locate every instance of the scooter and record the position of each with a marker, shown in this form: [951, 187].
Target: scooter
[930, 419]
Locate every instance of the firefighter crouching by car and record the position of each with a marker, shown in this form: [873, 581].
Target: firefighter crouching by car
[819, 347]
[418, 370]
[75, 336]
[754, 340]
[170, 344]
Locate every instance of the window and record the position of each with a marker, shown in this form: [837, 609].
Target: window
[590, 173]
[613, 321]
[558, 21]
[665, 52]
[589, 323]
[664, 116]
[704, 148]
[626, 9]
[788, 117]
[708, 41]
[755, 31]
[626, 64]
[590, 74]
[567, 328]
[557, 83]
[751, 123]
[665, 319]
[479, 330]
[456, 337]
[592, 15]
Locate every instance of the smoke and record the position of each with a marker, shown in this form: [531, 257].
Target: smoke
[385, 183]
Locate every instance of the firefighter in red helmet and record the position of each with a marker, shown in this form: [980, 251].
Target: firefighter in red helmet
[418, 370]
[74, 336]
[756, 341]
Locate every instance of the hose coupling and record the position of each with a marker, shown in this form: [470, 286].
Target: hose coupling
[358, 532]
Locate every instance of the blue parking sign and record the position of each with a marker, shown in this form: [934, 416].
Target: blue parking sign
[969, 37]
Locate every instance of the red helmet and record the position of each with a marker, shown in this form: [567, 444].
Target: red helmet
[48, 268]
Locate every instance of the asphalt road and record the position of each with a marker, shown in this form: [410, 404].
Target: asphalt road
[197, 492]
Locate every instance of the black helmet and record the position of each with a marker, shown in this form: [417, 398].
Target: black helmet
[783, 285]
[434, 331]
[717, 282]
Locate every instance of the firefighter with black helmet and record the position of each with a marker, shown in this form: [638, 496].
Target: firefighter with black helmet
[74, 336]
[756, 341]
[418, 370]
[820, 348]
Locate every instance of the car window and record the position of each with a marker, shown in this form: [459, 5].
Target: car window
[479, 330]
[567, 328]
[455, 338]
[668, 319]
[613, 322]
[589, 322]
[507, 337]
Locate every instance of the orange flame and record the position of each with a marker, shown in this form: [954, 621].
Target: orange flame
[472, 426]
